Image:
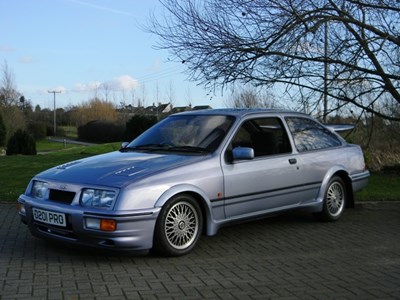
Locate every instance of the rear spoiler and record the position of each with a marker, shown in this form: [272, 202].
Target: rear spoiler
[340, 127]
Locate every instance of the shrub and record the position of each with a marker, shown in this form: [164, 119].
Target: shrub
[101, 132]
[3, 132]
[138, 124]
[38, 130]
[21, 143]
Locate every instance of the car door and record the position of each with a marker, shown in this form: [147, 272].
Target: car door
[318, 148]
[272, 180]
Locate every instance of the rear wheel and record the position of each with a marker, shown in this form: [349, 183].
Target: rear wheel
[178, 227]
[334, 200]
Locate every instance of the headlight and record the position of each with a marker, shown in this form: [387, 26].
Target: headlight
[97, 198]
[39, 189]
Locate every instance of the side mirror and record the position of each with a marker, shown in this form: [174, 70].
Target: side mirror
[124, 144]
[243, 153]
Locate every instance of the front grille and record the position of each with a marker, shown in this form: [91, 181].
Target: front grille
[61, 196]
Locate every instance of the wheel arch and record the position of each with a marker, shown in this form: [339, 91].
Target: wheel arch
[201, 198]
[349, 188]
[344, 175]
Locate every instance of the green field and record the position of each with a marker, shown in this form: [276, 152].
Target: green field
[49, 146]
[16, 171]
[381, 187]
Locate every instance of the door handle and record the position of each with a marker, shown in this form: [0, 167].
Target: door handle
[292, 161]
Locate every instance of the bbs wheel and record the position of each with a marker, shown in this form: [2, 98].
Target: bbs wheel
[334, 200]
[178, 227]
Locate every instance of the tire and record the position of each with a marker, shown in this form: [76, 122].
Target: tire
[178, 227]
[334, 200]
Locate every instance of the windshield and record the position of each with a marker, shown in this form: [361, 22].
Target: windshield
[185, 133]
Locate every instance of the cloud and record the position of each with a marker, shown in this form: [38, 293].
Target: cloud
[117, 84]
[121, 83]
[26, 60]
[87, 87]
[58, 89]
[7, 49]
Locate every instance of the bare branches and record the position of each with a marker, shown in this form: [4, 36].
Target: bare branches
[270, 42]
[8, 93]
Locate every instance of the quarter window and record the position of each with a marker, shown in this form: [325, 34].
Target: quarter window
[309, 135]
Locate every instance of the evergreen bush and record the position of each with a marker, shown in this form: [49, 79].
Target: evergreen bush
[38, 130]
[3, 132]
[138, 124]
[101, 132]
[21, 143]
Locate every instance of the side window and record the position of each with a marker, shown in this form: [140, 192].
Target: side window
[308, 135]
[266, 136]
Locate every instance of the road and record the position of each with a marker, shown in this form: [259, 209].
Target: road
[285, 257]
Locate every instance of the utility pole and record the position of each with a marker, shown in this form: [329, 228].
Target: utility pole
[326, 66]
[54, 96]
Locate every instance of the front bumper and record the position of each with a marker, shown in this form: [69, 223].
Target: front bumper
[134, 231]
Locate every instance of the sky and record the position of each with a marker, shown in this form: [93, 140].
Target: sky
[78, 47]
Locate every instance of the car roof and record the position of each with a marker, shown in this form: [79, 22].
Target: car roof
[242, 112]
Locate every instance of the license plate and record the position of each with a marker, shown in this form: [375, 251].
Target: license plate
[49, 217]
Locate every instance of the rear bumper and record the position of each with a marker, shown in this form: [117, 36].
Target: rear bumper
[359, 180]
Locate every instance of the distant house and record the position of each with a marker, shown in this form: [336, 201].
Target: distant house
[157, 110]
[160, 109]
[200, 107]
[179, 109]
[165, 108]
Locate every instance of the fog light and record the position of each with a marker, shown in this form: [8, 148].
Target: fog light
[93, 223]
[21, 209]
[101, 224]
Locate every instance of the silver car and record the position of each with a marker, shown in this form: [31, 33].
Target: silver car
[193, 173]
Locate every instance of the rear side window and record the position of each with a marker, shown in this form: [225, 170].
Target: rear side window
[309, 135]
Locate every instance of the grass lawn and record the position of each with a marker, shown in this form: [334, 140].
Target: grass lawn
[381, 187]
[71, 132]
[16, 171]
[48, 146]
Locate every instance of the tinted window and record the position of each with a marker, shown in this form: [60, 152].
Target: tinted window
[309, 135]
[265, 135]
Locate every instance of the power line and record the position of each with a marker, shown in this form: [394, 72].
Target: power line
[159, 75]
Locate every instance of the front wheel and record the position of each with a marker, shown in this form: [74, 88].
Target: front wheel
[178, 227]
[334, 200]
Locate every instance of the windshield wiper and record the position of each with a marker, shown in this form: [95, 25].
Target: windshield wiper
[193, 149]
[166, 147]
[147, 147]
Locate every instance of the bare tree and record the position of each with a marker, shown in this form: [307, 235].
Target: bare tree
[188, 96]
[250, 98]
[8, 92]
[94, 109]
[170, 93]
[106, 91]
[341, 50]
[11, 105]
